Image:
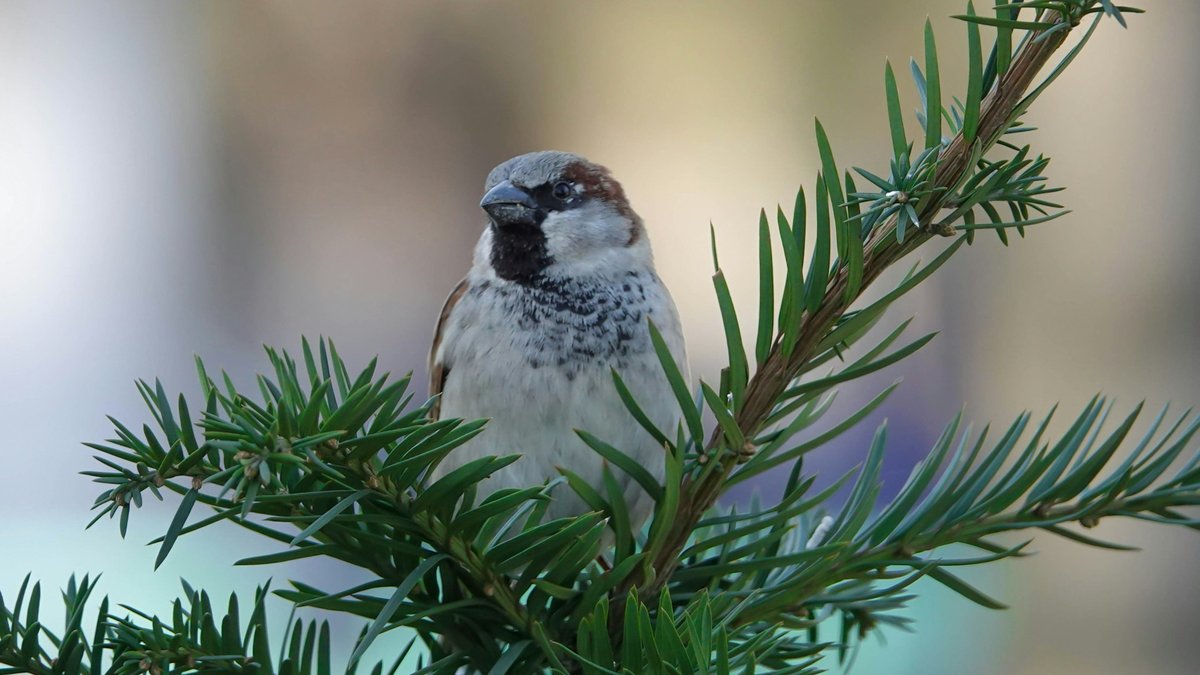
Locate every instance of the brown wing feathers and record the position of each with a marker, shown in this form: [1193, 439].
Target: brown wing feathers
[438, 370]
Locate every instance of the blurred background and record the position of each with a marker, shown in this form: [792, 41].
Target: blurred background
[208, 177]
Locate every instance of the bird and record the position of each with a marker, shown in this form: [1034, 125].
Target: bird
[560, 293]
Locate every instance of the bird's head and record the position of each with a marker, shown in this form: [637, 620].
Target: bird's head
[557, 214]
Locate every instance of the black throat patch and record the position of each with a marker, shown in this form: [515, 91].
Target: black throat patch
[519, 253]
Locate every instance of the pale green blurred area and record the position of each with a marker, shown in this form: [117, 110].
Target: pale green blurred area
[207, 177]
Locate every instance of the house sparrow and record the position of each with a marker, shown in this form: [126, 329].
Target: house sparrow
[559, 294]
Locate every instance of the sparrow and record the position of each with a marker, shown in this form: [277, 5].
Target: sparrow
[560, 293]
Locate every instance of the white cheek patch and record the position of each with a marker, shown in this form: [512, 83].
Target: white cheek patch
[587, 231]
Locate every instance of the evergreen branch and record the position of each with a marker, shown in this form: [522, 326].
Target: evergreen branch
[918, 191]
[353, 471]
[196, 639]
[958, 495]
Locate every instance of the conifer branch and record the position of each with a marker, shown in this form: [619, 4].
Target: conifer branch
[952, 162]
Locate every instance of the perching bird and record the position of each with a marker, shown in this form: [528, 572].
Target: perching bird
[559, 294]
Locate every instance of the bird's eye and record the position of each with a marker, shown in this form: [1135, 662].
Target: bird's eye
[563, 191]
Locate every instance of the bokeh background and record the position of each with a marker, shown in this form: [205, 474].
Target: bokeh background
[180, 178]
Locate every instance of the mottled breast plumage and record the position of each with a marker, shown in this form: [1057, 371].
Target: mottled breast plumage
[574, 323]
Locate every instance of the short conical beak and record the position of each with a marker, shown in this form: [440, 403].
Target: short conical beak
[508, 205]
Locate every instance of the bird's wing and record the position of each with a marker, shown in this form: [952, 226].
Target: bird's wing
[438, 370]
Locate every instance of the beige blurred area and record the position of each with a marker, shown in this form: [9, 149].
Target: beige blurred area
[208, 177]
